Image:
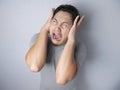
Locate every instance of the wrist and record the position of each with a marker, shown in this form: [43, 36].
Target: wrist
[45, 31]
[71, 43]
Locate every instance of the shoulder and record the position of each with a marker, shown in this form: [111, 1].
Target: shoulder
[80, 52]
[80, 46]
[34, 38]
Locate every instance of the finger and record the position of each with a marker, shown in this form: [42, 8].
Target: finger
[80, 21]
[76, 20]
[52, 13]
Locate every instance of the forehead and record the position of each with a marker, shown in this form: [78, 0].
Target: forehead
[63, 16]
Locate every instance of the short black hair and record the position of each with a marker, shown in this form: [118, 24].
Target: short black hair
[68, 8]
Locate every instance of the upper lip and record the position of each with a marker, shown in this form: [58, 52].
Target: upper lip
[59, 35]
[56, 34]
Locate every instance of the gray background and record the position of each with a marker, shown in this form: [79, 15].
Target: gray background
[21, 19]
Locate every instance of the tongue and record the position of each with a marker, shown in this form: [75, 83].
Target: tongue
[57, 37]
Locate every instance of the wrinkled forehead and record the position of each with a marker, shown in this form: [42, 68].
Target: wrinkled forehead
[63, 16]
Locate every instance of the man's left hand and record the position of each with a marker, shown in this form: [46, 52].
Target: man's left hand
[76, 24]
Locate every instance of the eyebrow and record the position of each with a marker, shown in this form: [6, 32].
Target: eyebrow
[62, 22]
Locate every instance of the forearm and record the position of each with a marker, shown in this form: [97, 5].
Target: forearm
[66, 68]
[36, 55]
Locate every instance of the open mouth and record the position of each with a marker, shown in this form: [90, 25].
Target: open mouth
[57, 37]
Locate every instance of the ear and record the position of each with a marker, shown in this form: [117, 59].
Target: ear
[80, 21]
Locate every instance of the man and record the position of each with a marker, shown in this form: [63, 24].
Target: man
[53, 52]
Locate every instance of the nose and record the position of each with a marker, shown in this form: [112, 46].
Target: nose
[57, 29]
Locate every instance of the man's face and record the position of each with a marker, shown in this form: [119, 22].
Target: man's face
[60, 27]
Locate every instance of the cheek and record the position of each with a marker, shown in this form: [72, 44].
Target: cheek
[65, 35]
[51, 29]
[65, 32]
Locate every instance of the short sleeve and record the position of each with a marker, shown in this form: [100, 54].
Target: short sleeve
[33, 39]
[80, 53]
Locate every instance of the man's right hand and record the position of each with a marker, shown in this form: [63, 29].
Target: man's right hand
[47, 24]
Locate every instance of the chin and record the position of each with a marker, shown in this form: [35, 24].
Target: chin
[58, 43]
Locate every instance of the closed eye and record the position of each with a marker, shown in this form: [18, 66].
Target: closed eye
[54, 21]
[65, 25]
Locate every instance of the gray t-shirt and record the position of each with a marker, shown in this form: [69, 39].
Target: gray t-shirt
[48, 75]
